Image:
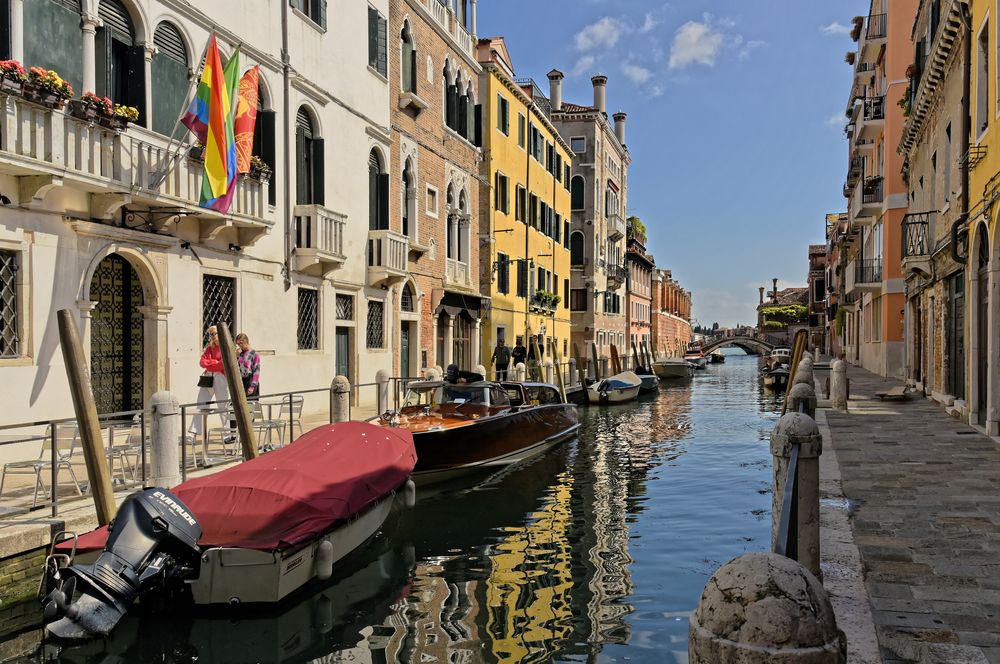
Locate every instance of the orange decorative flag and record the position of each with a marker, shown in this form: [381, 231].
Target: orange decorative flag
[245, 118]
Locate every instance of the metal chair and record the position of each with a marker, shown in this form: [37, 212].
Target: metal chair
[129, 454]
[291, 412]
[263, 427]
[227, 434]
[65, 442]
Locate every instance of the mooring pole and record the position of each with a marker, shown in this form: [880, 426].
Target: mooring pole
[86, 417]
[241, 408]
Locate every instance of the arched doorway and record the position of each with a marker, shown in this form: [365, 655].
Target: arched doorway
[117, 337]
[982, 324]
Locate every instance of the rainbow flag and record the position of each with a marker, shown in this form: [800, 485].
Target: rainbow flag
[196, 118]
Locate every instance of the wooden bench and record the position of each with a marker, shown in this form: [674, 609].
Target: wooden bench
[898, 392]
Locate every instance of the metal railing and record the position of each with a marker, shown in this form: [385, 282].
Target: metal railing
[915, 227]
[787, 538]
[874, 108]
[872, 190]
[876, 26]
[868, 271]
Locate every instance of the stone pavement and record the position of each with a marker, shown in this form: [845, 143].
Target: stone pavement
[927, 524]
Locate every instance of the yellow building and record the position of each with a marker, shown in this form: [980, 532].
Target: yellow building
[525, 179]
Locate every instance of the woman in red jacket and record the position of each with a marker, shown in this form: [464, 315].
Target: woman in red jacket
[211, 364]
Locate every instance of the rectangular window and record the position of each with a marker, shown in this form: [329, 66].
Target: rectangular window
[503, 121]
[947, 163]
[565, 238]
[522, 278]
[578, 299]
[578, 144]
[876, 318]
[559, 168]
[503, 273]
[9, 320]
[550, 159]
[308, 319]
[432, 201]
[533, 210]
[218, 303]
[519, 204]
[566, 177]
[375, 334]
[345, 307]
[982, 80]
[520, 130]
[314, 9]
[377, 58]
[565, 297]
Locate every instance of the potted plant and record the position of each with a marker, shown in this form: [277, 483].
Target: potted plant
[197, 151]
[259, 170]
[90, 107]
[120, 116]
[849, 58]
[12, 77]
[47, 88]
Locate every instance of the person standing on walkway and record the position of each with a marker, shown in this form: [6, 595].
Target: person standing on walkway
[212, 382]
[501, 358]
[249, 363]
[520, 353]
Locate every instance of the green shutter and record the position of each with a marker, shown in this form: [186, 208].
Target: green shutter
[372, 37]
[318, 172]
[383, 61]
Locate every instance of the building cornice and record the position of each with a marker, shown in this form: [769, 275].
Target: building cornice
[518, 92]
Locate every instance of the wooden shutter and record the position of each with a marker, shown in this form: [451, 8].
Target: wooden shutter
[136, 93]
[302, 175]
[383, 201]
[318, 172]
[496, 191]
[383, 62]
[116, 18]
[463, 115]
[451, 106]
[265, 129]
[321, 13]
[477, 124]
[372, 37]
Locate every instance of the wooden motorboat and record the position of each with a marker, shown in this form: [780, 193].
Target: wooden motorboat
[650, 382]
[619, 388]
[695, 356]
[253, 533]
[780, 356]
[468, 427]
[776, 379]
[672, 368]
[717, 357]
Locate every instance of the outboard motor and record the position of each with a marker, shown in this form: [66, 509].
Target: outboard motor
[152, 541]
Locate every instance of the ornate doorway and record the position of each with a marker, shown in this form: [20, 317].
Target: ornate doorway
[116, 336]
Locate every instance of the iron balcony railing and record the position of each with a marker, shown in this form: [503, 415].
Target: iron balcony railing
[855, 169]
[915, 234]
[868, 271]
[876, 27]
[872, 192]
[874, 108]
[864, 67]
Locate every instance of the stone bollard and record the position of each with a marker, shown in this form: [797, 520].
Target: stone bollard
[381, 391]
[816, 354]
[164, 457]
[804, 373]
[762, 607]
[340, 399]
[548, 370]
[520, 372]
[838, 385]
[481, 370]
[802, 395]
[798, 428]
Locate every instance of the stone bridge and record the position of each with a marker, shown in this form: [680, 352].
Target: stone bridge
[749, 345]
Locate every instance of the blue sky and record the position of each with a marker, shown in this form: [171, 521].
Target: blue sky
[735, 117]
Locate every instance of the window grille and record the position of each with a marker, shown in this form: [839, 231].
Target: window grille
[376, 324]
[9, 342]
[308, 319]
[406, 300]
[345, 307]
[218, 302]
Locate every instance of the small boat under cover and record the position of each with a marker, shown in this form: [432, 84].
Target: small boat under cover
[254, 532]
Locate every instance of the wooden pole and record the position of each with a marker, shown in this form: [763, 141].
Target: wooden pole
[616, 363]
[597, 363]
[86, 416]
[559, 373]
[537, 365]
[581, 366]
[241, 408]
[635, 354]
[798, 348]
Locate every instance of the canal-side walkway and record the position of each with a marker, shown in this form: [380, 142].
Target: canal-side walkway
[926, 519]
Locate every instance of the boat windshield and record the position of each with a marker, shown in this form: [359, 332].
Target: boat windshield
[421, 397]
[464, 394]
[538, 395]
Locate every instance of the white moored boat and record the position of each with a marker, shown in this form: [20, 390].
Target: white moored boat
[672, 368]
[616, 389]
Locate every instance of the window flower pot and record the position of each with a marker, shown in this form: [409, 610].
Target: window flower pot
[11, 86]
[259, 175]
[42, 96]
[196, 153]
[112, 122]
[84, 110]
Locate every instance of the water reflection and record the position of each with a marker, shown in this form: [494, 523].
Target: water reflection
[599, 548]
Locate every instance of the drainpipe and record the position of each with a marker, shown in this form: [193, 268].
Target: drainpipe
[286, 127]
[958, 228]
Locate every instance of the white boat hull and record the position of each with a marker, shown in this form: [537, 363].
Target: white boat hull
[667, 370]
[616, 395]
[698, 362]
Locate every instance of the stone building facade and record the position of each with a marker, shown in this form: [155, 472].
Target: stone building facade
[638, 290]
[670, 324]
[817, 296]
[432, 227]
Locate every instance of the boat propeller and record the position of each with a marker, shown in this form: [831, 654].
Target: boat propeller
[58, 601]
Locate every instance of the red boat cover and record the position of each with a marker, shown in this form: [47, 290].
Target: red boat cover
[295, 493]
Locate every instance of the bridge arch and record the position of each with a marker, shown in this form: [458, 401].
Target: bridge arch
[749, 345]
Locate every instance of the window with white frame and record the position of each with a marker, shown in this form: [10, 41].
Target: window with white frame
[431, 204]
[501, 193]
[503, 115]
[578, 144]
[9, 315]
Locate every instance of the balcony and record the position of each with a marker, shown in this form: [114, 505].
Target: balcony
[319, 239]
[855, 170]
[457, 275]
[130, 174]
[849, 301]
[616, 227]
[864, 73]
[387, 254]
[868, 274]
[866, 205]
[872, 120]
[872, 38]
[916, 247]
[445, 17]
[617, 274]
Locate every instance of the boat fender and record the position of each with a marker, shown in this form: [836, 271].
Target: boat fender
[409, 493]
[324, 560]
[323, 615]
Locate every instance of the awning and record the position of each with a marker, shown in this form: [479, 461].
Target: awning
[455, 304]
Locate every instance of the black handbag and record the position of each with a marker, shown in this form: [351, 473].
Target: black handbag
[206, 380]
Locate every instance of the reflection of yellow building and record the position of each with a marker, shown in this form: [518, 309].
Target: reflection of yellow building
[529, 608]
[526, 171]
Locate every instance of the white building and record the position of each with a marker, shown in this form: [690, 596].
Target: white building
[86, 226]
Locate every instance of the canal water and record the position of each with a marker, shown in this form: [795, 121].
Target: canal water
[597, 551]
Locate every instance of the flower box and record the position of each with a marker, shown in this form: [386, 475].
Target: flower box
[82, 109]
[11, 85]
[261, 175]
[42, 96]
[112, 122]
[196, 153]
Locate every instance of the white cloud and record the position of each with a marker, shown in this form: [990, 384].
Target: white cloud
[583, 65]
[655, 90]
[648, 23]
[836, 121]
[635, 73]
[696, 42]
[604, 33]
[835, 29]
[747, 48]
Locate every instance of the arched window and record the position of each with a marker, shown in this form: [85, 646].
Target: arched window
[462, 241]
[263, 139]
[577, 193]
[62, 52]
[406, 299]
[462, 121]
[409, 202]
[576, 248]
[378, 194]
[170, 78]
[121, 63]
[451, 222]
[308, 160]
[450, 100]
[409, 60]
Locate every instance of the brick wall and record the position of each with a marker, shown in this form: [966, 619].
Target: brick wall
[19, 575]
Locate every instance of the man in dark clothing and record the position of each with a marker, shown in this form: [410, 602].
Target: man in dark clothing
[453, 375]
[501, 358]
[520, 353]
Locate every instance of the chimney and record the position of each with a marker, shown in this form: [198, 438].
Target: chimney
[620, 126]
[774, 292]
[600, 83]
[761, 289]
[555, 89]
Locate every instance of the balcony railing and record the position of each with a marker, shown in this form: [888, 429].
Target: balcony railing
[447, 19]
[616, 226]
[319, 238]
[864, 67]
[915, 234]
[457, 274]
[868, 271]
[872, 191]
[876, 26]
[855, 169]
[617, 274]
[387, 256]
[874, 108]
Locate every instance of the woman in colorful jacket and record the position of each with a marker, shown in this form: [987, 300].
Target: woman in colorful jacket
[249, 363]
